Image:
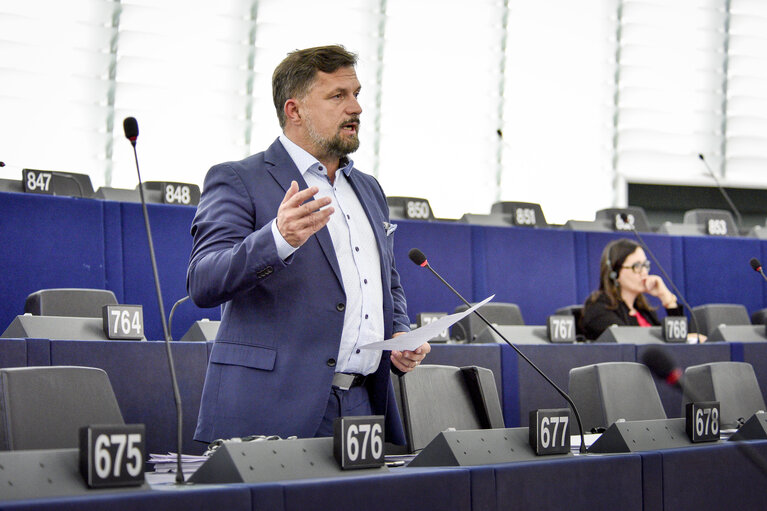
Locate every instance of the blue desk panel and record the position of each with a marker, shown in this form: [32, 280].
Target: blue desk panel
[584, 482]
[13, 352]
[173, 244]
[712, 477]
[140, 378]
[684, 355]
[46, 243]
[532, 268]
[448, 249]
[525, 390]
[229, 498]
[401, 490]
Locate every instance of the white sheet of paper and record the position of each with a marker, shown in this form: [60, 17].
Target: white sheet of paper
[415, 338]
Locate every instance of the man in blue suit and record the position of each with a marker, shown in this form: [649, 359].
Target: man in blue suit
[296, 244]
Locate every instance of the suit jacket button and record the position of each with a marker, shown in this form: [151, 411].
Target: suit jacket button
[340, 306]
[332, 362]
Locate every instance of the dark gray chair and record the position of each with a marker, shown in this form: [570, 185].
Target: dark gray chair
[436, 397]
[711, 315]
[498, 313]
[759, 317]
[44, 407]
[733, 384]
[610, 391]
[69, 302]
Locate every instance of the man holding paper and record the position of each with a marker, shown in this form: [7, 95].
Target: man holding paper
[296, 244]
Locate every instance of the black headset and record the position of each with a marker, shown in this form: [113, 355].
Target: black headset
[613, 275]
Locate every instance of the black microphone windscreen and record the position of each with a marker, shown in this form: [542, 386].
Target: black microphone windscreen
[700, 155]
[659, 361]
[755, 264]
[416, 256]
[624, 218]
[130, 125]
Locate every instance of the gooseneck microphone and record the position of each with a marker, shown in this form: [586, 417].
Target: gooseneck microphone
[419, 258]
[649, 252]
[130, 126]
[722, 191]
[757, 266]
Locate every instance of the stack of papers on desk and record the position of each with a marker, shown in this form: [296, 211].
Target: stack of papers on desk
[167, 463]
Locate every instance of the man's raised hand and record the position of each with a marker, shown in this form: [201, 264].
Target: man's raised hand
[298, 219]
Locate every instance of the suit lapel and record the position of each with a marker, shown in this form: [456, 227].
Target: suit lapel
[376, 220]
[283, 170]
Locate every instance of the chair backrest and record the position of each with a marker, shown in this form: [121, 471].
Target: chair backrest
[759, 317]
[606, 392]
[711, 315]
[498, 313]
[69, 302]
[44, 407]
[436, 397]
[733, 384]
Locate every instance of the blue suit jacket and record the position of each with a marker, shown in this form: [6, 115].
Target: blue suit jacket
[272, 364]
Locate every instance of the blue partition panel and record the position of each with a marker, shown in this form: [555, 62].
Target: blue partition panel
[45, 243]
[460, 355]
[755, 354]
[685, 355]
[401, 490]
[230, 498]
[589, 246]
[533, 268]
[724, 477]
[140, 377]
[173, 244]
[13, 353]
[448, 249]
[525, 390]
[604, 482]
[717, 271]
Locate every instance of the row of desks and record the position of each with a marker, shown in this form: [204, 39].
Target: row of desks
[713, 476]
[138, 373]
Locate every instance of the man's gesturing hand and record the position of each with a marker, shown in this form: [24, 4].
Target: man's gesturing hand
[297, 220]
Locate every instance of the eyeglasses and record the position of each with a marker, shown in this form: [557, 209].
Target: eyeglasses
[638, 267]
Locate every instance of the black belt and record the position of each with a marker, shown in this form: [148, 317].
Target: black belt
[345, 381]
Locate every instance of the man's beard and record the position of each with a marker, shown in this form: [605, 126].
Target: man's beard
[338, 146]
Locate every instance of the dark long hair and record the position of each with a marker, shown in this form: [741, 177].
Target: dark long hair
[610, 264]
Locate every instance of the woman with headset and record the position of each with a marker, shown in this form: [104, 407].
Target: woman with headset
[624, 279]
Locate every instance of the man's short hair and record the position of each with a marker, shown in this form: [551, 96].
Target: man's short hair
[295, 75]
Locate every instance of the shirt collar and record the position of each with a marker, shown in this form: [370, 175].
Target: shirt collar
[305, 161]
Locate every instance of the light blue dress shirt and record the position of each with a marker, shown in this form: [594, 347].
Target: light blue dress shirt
[358, 259]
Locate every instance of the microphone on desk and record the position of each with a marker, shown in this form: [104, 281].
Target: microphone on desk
[130, 126]
[419, 258]
[649, 252]
[722, 191]
[757, 266]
